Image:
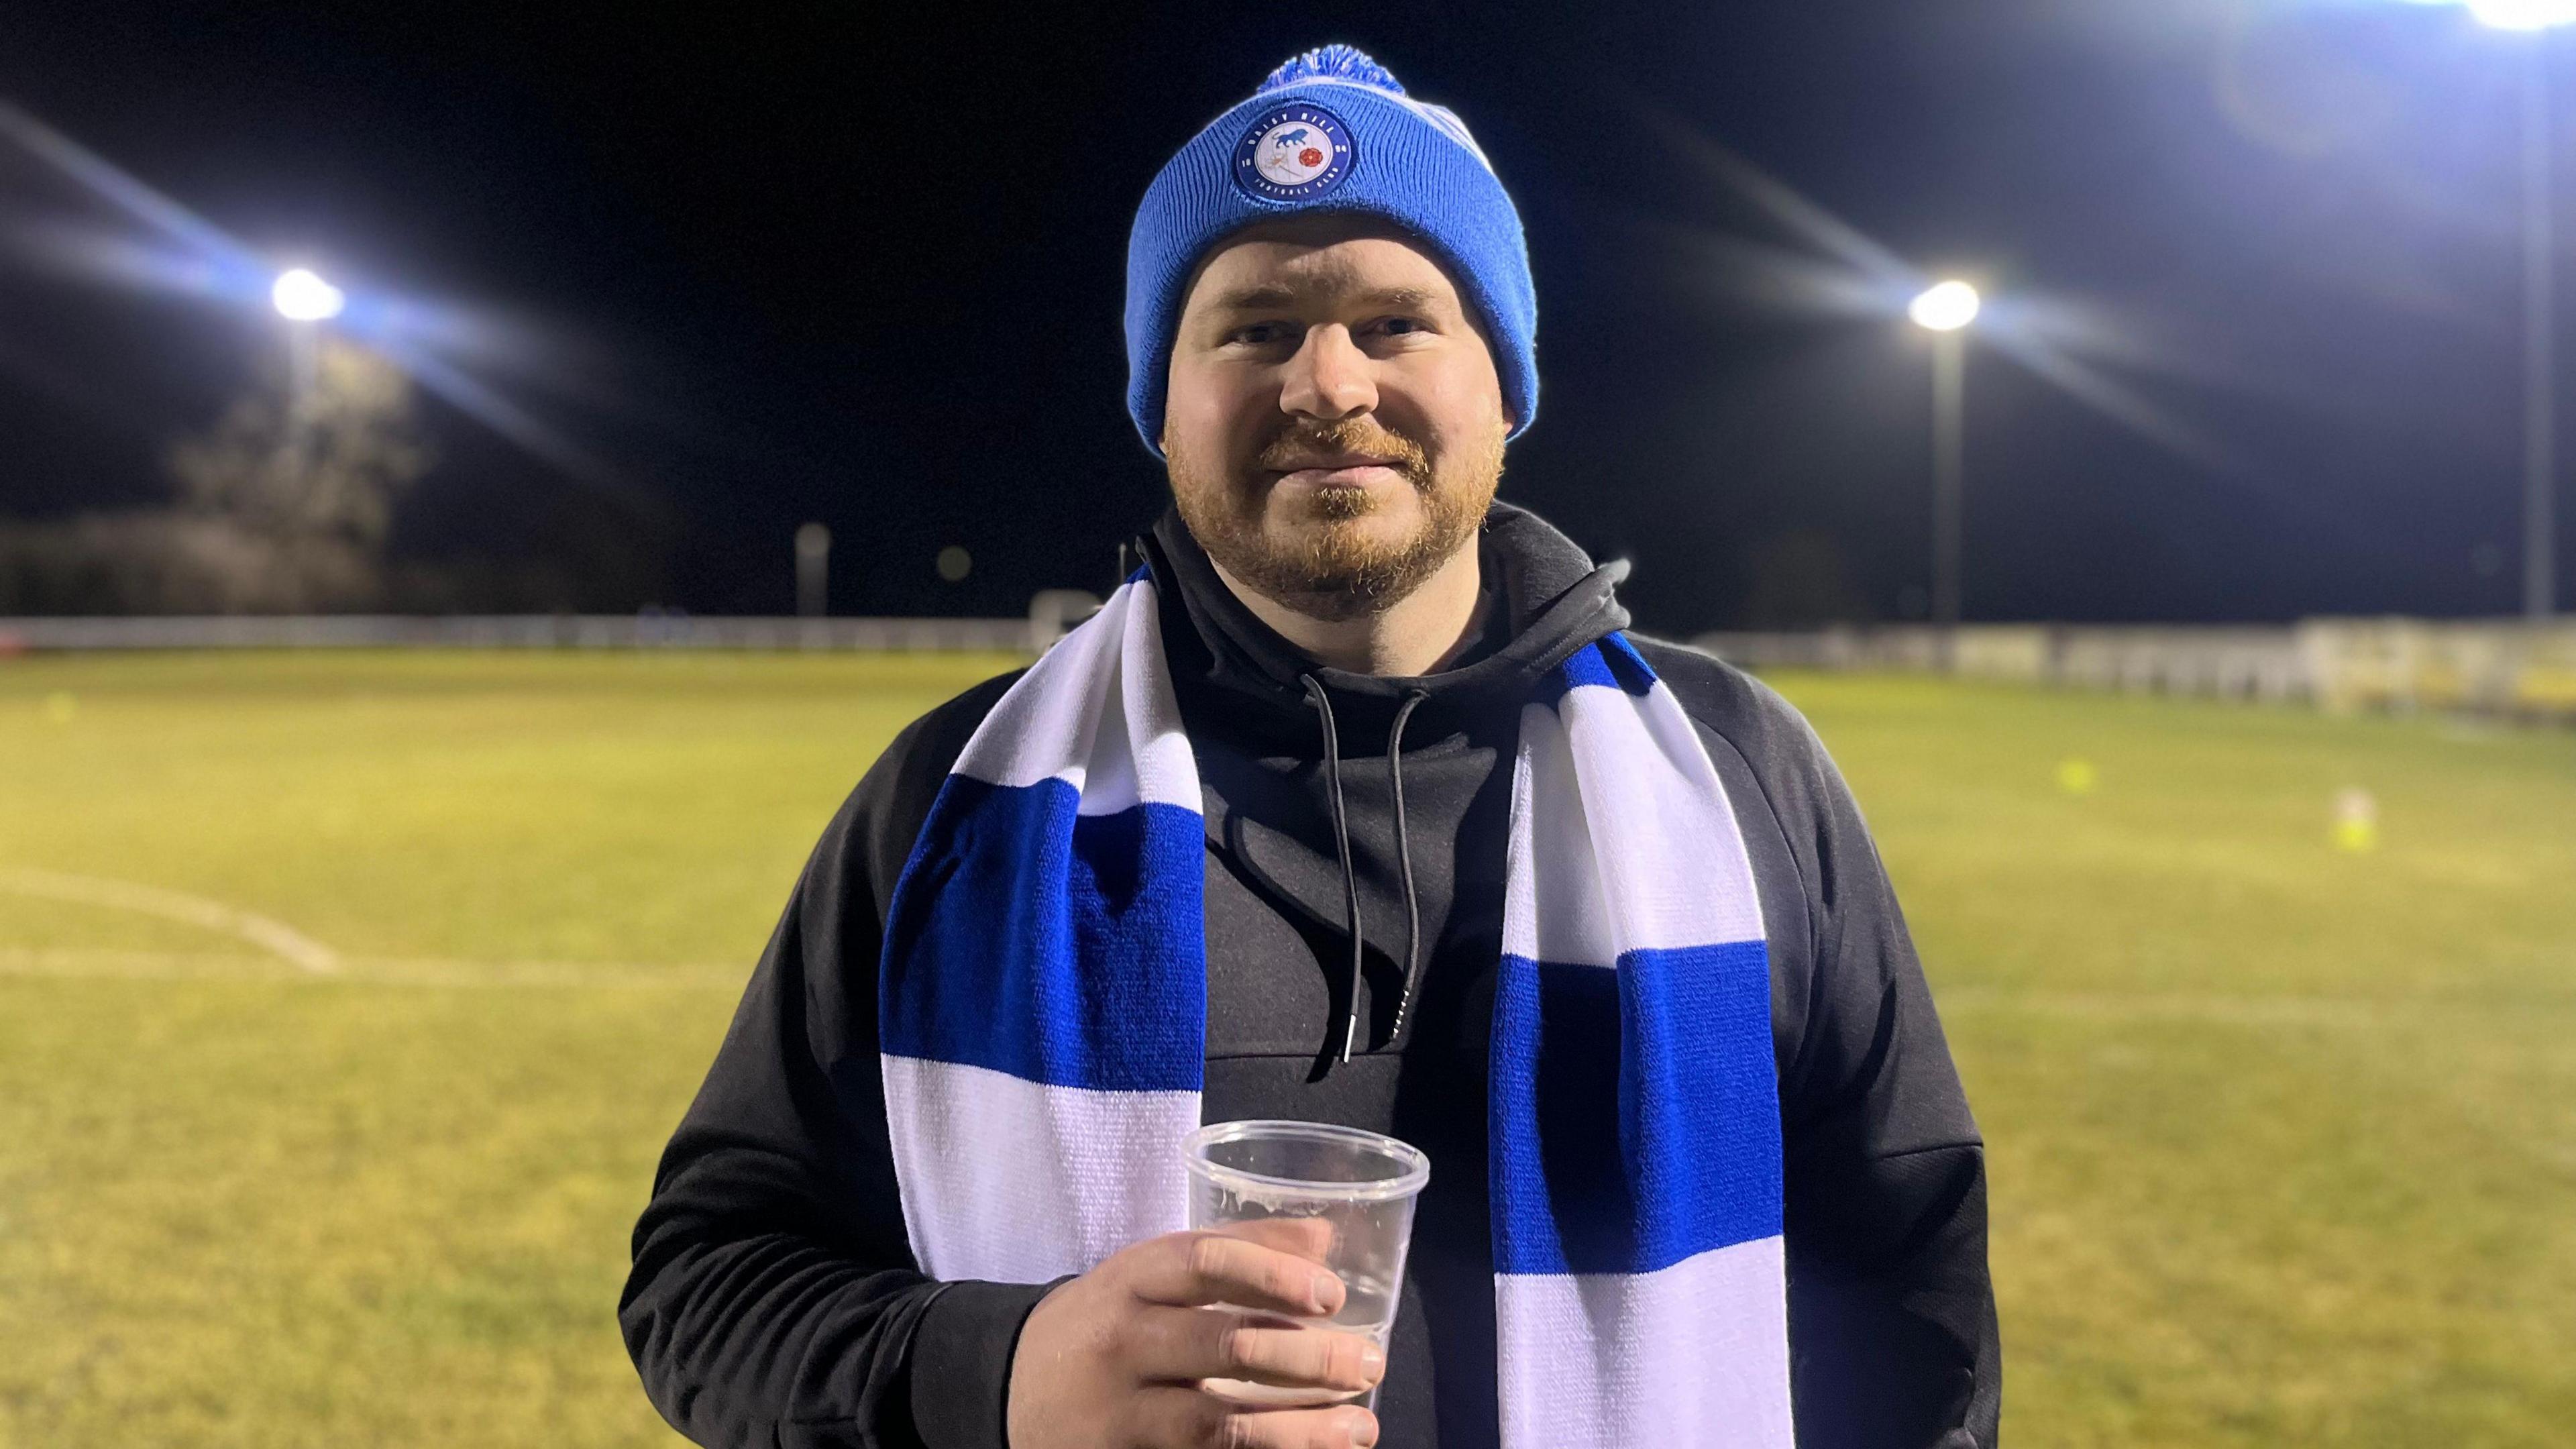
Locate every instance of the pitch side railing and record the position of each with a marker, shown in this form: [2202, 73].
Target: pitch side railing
[2489, 667]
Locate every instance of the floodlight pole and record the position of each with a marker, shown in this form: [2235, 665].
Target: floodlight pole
[306, 302]
[1945, 310]
[303, 375]
[2540, 360]
[1949, 473]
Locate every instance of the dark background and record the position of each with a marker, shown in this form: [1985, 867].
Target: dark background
[863, 264]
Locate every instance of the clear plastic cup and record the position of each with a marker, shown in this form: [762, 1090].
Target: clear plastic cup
[1362, 1183]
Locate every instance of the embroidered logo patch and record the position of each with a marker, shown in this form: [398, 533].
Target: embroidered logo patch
[1294, 153]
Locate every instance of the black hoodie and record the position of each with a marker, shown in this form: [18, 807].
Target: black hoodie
[774, 1300]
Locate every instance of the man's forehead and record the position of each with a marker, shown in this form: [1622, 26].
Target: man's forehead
[1302, 260]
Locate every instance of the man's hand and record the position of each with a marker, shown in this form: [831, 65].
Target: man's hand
[1113, 1359]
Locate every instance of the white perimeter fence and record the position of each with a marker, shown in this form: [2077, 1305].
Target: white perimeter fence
[1051, 611]
[2499, 668]
[518, 631]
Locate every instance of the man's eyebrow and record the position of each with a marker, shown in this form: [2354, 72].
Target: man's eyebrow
[1271, 296]
[1256, 299]
[1411, 299]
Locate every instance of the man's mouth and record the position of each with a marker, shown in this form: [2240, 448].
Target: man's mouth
[1338, 470]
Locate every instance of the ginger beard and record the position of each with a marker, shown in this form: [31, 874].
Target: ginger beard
[1315, 552]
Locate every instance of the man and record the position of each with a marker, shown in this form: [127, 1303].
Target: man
[1361, 663]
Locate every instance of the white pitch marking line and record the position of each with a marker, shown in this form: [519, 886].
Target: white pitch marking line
[275, 937]
[377, 971]
[372, 971]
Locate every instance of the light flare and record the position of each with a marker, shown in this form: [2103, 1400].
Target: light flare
[2523, 14]
[191, 256]
[2041, 336]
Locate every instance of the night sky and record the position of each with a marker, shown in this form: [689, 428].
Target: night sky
[863, 264]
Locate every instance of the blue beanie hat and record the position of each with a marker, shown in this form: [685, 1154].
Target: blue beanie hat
[1331, 131]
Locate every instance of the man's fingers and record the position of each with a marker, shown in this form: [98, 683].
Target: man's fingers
[1345, 1426]
[1188, 1417]
[1189, 1269]
[1216, 1343]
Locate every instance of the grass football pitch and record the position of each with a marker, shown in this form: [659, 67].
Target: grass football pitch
[347, 999]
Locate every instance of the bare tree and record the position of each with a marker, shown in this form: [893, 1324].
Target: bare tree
[319, 462]
[284, 506]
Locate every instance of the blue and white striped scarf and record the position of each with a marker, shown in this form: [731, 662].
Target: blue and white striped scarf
[1043, 1009]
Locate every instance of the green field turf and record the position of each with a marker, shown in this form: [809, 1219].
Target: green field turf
[2283, 1133]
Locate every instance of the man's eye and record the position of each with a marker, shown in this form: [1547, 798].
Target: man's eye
[1260, 334]
[1398, 326]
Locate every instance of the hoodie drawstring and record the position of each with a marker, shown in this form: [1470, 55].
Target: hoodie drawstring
[1323, 705]
[1404, 863]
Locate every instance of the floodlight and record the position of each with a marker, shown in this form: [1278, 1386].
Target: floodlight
[1945, 308]
[301, 296]
[2523, 14]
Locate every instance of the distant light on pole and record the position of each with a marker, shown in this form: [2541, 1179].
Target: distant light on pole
[2539, 330]
[1946, 307]
[2523, 14]
[301, 296]
[2539, 292]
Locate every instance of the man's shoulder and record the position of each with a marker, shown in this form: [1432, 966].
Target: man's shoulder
[934, 740]
[885, 811]
[1730, 703]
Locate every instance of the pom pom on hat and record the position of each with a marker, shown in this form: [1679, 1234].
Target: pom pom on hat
[1332, 62]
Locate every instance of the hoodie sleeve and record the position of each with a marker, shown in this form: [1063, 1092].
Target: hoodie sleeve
[774, 1300]
[1892, 1331]
[1891, 1304]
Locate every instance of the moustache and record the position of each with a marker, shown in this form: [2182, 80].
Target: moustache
[1300, 442]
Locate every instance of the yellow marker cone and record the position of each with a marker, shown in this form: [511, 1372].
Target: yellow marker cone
[2356, 821]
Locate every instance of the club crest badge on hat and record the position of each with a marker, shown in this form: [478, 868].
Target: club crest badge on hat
[1296, 152]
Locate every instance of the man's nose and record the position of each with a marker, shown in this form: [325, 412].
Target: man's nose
[1329, 378]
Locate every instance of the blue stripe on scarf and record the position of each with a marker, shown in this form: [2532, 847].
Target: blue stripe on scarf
[1080, 971]
[1674, 1046]
[1612, 663]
